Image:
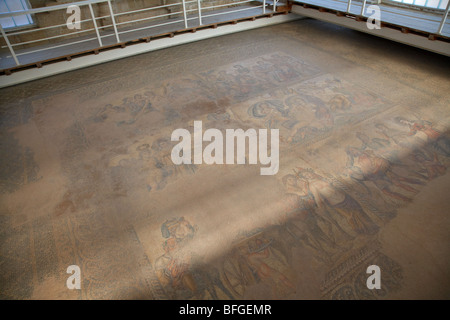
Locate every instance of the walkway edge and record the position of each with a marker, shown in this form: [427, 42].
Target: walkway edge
[106, 56]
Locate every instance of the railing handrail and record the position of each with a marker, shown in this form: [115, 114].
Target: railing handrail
[112, 15]
[153, 8]
[227, 4]
[77, 3]
[440, 19]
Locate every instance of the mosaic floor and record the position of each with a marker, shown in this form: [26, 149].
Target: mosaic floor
[86, 176]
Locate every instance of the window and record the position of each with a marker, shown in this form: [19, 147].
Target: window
[7, 6]
[436, 4]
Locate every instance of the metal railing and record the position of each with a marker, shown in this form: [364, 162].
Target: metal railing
[441, 25]
[363, 13]
[195, 14]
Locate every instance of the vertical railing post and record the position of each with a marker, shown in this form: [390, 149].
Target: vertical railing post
[113, 21]
[184, 14]
[348, 5]
[363, 7]
[264, 6]
[441, 26]
[9, 45]
[199, 12]
[95, 25]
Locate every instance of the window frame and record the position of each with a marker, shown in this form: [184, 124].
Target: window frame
[23, 27]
